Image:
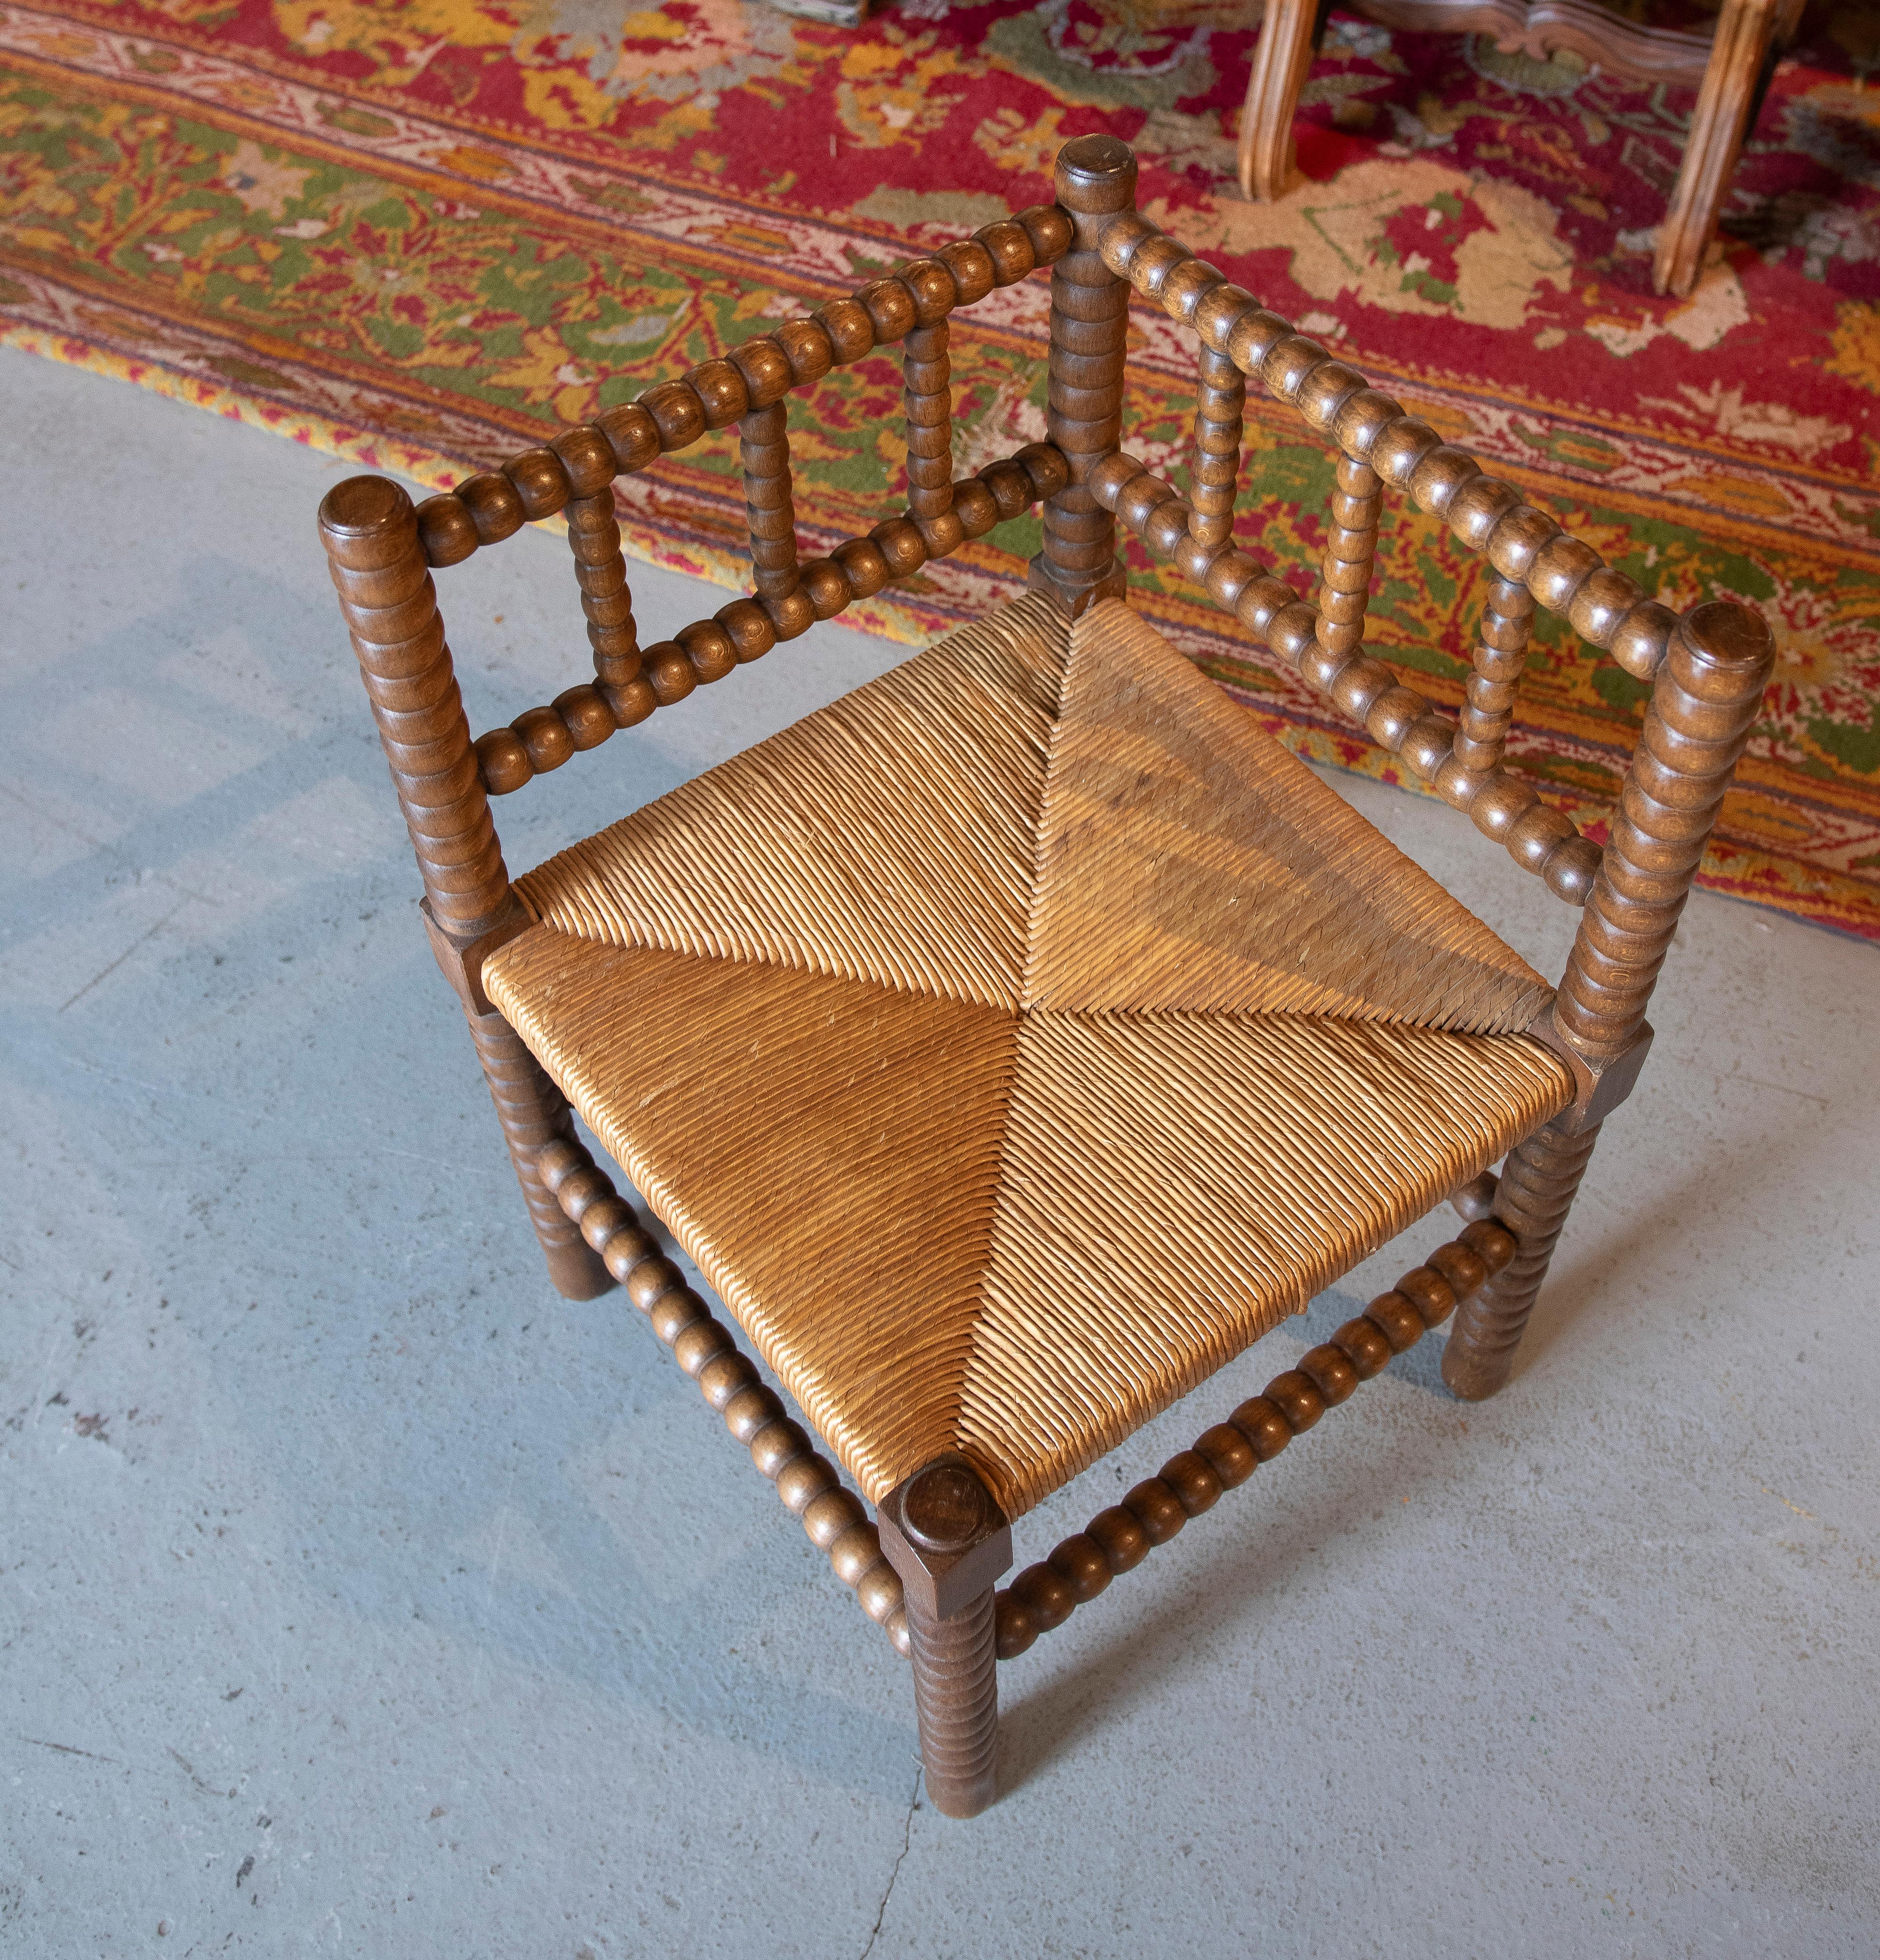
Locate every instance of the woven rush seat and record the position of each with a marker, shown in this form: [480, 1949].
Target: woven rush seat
[1013, 1041]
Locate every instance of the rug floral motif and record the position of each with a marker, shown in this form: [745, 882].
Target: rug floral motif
[425, 232]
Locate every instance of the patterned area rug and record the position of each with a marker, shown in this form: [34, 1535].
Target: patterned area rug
[424, 233]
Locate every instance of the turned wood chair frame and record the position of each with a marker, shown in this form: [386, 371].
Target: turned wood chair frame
[925, 1568]
[1730, 69]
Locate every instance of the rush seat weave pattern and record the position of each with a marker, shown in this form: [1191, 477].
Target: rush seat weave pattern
[1014, 1040]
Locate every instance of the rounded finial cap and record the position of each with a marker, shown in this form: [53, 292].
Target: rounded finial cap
[1096, 176]
[945, 1508]
[1726, 634]
[361, 505]
[1722, 652]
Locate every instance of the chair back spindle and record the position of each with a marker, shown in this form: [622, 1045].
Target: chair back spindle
[1220, 408]
[1500, 659]
[1706, 668]
[927, 379]
[1351, 550]
[594, 535]
[763, 448]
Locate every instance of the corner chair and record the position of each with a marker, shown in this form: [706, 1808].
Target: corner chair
[1014, 1040]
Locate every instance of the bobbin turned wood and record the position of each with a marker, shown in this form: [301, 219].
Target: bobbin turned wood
[1116, 1541]
[377, 562]
[1704, 703]
[594, 535]
[836, 1520]
[944, 1534]
[1095, 180]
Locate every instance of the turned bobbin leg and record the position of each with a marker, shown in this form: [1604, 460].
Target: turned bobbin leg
[1090, 306]
[371, 533]
[949, 1541]
[1535, 1192]
[1703, 705]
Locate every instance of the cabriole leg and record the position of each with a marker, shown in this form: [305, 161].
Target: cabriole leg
[1728, 96]
[1282, 56]
[370, 534]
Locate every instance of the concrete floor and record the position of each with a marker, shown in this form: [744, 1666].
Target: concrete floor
[361, 1596]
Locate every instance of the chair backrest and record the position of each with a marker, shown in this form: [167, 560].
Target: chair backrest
[1708, 668]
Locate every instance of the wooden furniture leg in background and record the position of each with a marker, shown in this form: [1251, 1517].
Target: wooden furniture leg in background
[1704, 703]
[1748, 33]
[1090, 306]
[1730, 70]
[949, 1541]
[377, 563]
[1281, 57]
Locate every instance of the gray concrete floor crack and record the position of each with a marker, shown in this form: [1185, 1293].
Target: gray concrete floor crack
[907, 1837]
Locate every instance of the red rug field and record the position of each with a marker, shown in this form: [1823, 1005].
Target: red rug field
[425, 232]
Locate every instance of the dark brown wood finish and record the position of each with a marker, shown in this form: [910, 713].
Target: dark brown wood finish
[764, 451]
[1220, 405]
[835, 1519]
[1117, 1540]
[1351, 551]
[1090, 305]
[927, 373]
[1703, 705]
[594, 535]
[943, 1533]
[371, 533]
[1710, 670]
[1501, 658]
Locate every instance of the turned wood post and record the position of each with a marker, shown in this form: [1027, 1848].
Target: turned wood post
[373, 550]
[943, 1533]
[1703, 705]
[1090, 306]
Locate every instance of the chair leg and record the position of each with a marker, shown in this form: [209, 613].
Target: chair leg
[1281, 57]
[534, 1112]
[1537, 1190]
[1705, 701]
[1730, 91]
[956, 1701]
[943, 1532]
